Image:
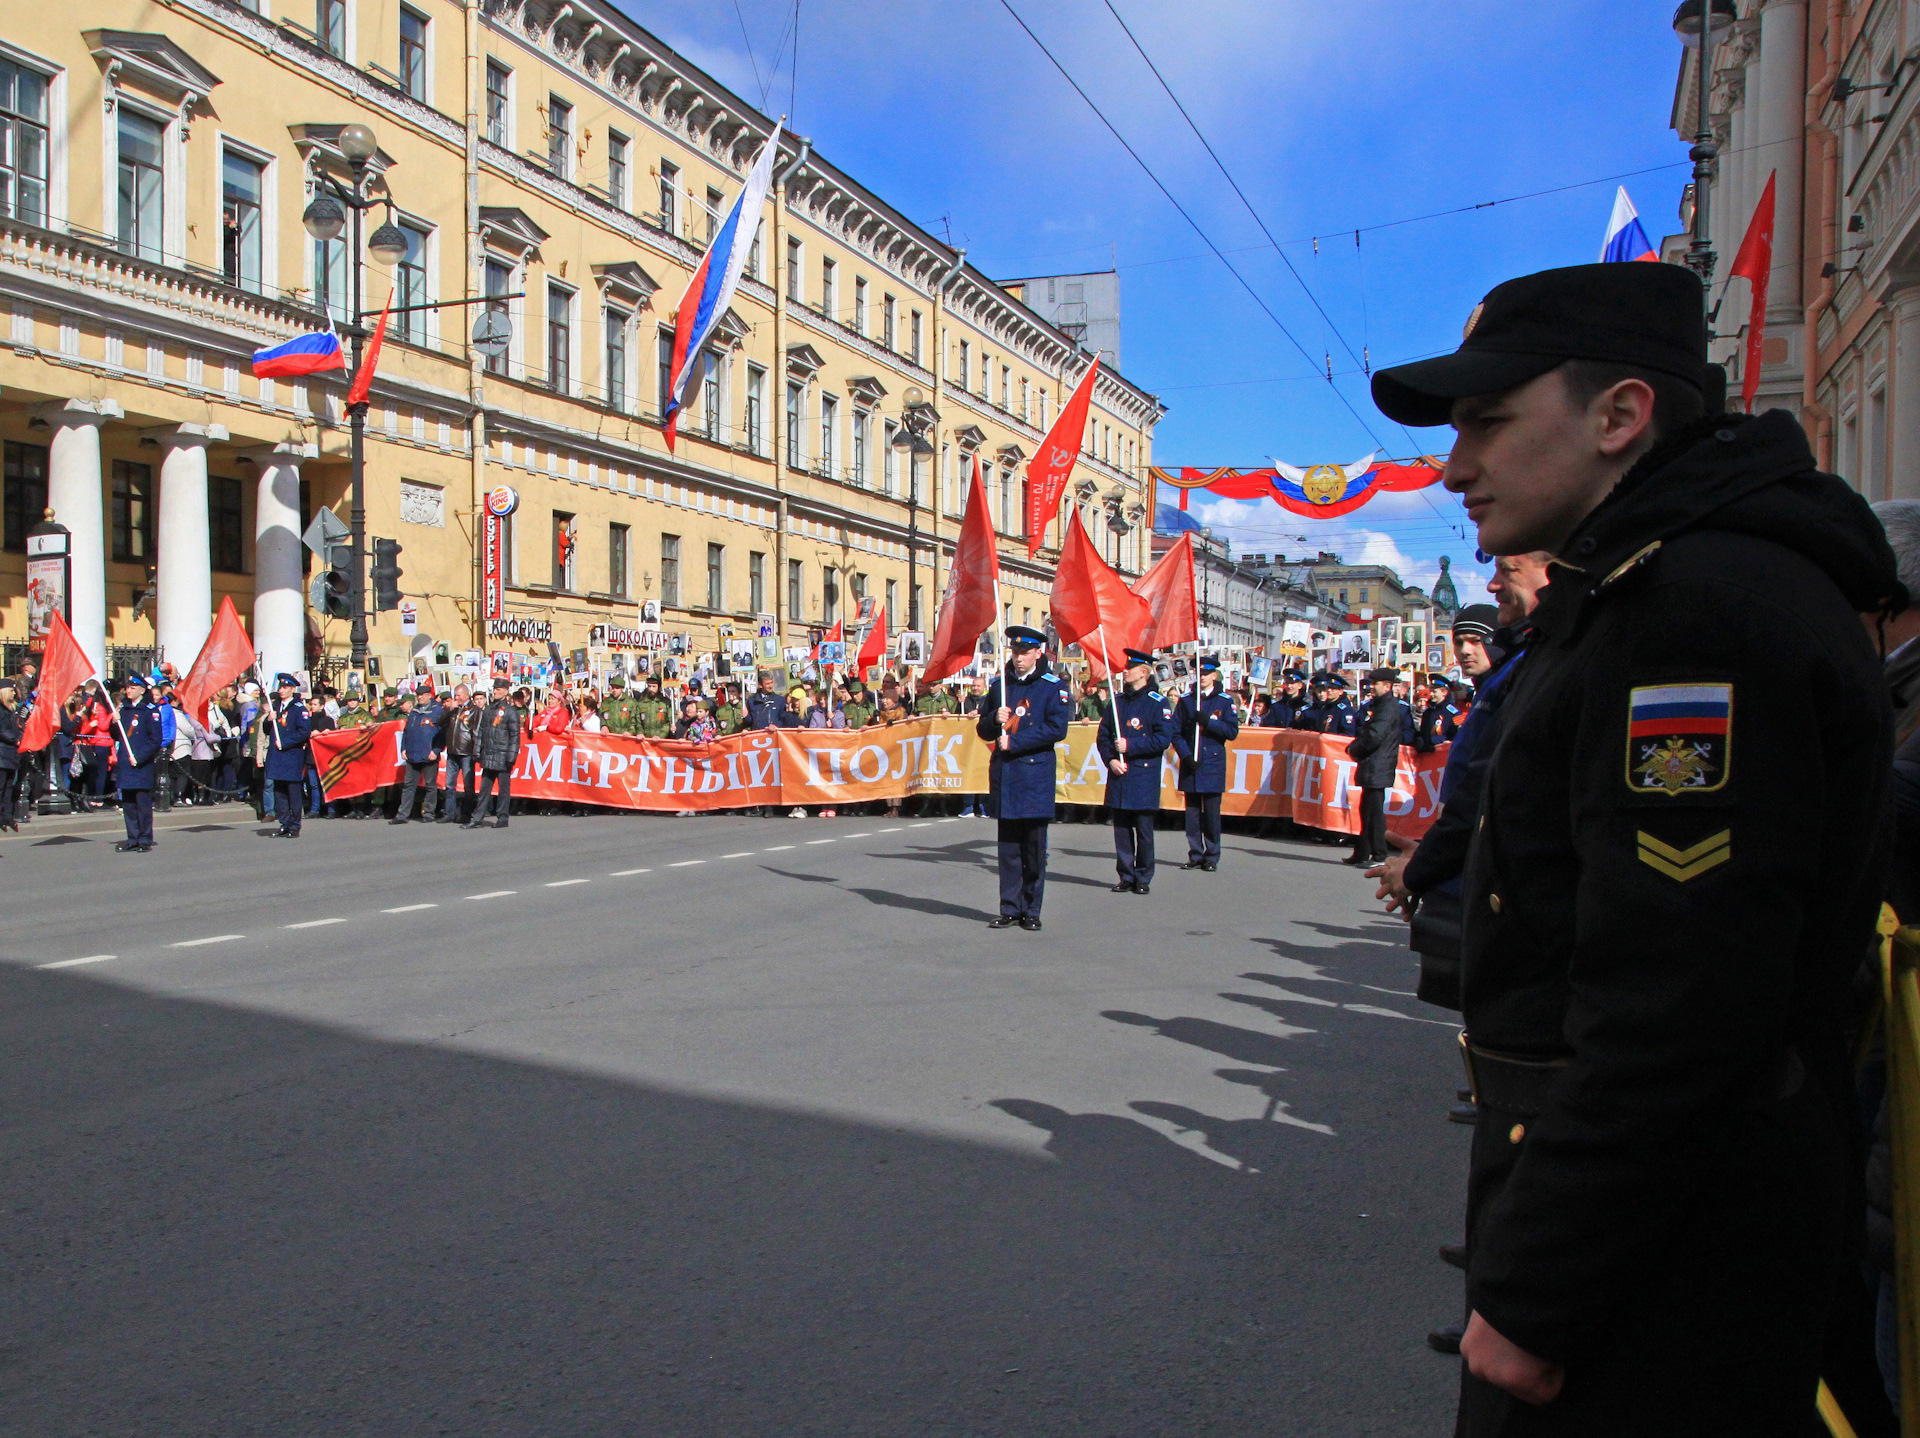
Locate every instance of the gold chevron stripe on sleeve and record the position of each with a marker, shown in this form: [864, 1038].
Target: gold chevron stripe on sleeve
[1690, 863]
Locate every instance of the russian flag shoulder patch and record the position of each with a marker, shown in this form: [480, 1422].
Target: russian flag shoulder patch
[1679, 738]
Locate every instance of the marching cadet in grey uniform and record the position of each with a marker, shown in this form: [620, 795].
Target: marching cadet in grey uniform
[1202, 724]
[1674, 877]
[1026, 713]
[1132, 738]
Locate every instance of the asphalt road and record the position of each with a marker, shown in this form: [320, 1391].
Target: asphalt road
[712, 1126]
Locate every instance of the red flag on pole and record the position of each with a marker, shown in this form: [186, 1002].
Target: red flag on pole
[832, 636]
[1168, 589]
[63, 669]
[363, 381]
[875, 646]
[227, 654]
[1047, 471]
[971, 604]
[1755, 261]
[1090, 598]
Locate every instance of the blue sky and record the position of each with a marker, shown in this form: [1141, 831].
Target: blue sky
[1331, 117]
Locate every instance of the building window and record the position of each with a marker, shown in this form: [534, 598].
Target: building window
[966, 362]
[889, 321]
[141, 193]
[829, 594]
[713, 408]
[559, 137]
[756, 405]
[1006, 387]
[241, 185]
[862, 434]
[986, 368]
[893, 604]
[499, 282]
[669, 197]
[23, 144]
[859, 306]
[559, 339]
[1025, 399]
[670, 570]
[796, 406]
[663, 363]
[410, 288]
[617, 536]
[413, 53]
[913, 337]
[330, 277]
[617, 169]
[132, 512]
[716, 576]
[1043, 410]
[889, 459]
[224, 528]
[919, 606]
[796, 586]
[714, 202]
[753, 250]
[330, 26]
[828, 274]
[757, 581]
[614, 362]
[564, 534]
[25, 491]
[796, 260]
[829, 424]
[498, 78]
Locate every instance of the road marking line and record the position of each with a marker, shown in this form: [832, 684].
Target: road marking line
[777, 848]
[926, 824]
[314, 924]
[743, 854]
[70, 963]
[494, 894]
[947, 821]
[212, 939]
[624, 873]
[409, 908]
[894, 830]
[812, 842]
[562, 883]
[863, 834]
[686, 863]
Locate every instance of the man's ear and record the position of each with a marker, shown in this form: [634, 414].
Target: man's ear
[1624, 417]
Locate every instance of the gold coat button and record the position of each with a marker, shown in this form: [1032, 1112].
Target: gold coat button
[1516, 1133]
[1493, 902]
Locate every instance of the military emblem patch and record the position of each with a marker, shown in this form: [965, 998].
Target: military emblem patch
[1679, 738]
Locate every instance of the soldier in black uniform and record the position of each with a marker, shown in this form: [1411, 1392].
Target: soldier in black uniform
[1203, 721]
[1289, 702]
[1674, 878]
[1131, 740]
[1440, 721]
[1026, 713]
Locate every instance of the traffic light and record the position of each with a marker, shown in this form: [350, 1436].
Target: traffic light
[336, 585]
[386, 575]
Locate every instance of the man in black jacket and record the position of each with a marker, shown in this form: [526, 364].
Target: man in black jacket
[1674, 876]
[1376, 748]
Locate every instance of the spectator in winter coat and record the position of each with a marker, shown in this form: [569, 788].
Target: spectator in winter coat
[419, 754]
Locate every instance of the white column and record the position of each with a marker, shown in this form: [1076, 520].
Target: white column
[74, 493]
[1903, 395]
[1783, 101]
[279, 603]
[184, 553]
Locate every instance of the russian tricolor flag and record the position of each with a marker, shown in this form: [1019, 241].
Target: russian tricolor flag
[705, 303]
[303, 354]
[1626, 237]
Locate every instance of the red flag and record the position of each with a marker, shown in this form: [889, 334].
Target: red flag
[832, 636]
[875, 647]
[971, 604]
[1047, 471]
[363, 381]
[63, 669]
[227, 654]
[1090, 599]
[1755, 261]
[1168, 589]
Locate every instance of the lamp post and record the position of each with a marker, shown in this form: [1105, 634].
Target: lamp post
[325, 219]
[917, 421]
[1715, 18]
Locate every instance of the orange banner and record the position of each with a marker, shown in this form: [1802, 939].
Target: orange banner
[1272, 773]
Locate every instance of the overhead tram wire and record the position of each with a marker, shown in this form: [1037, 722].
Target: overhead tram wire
[1207, 239]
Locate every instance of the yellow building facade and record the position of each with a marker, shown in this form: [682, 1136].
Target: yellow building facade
[560, 158]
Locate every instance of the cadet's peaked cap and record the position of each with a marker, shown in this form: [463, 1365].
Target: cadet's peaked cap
[1209, 663]
[1021, 637]
[1476, 621]
[137, 679]
[285, 681]
[1135, 656]
[1383, 675]
[1652, 316]
[1335, 681]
